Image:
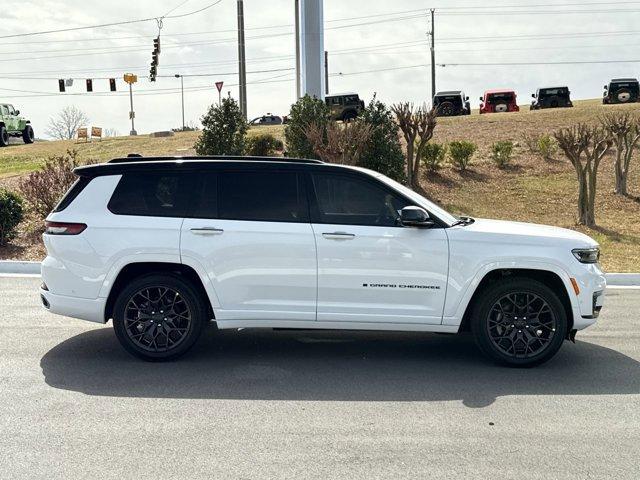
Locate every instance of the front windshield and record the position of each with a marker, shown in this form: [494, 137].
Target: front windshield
[419, 199]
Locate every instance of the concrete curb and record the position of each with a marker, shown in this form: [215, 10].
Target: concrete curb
[14, 267]
[33, 268]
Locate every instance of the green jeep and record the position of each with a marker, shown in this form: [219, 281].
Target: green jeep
[345, 106]
[13, 125]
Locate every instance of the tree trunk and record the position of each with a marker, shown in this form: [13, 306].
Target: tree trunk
[410, 150]
[621, 178]
[583, 199]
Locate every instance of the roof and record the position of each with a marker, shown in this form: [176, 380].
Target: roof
[500, 90]
[551, 88]
[615, 80]
[449, 92]
[138, 162]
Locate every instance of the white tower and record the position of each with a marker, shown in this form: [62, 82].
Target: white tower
[310, 40]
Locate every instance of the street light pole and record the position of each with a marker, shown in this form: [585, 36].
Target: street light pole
[242, 69]
[182, 92]
[132, 113]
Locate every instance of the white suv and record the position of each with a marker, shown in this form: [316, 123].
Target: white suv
[164, 245]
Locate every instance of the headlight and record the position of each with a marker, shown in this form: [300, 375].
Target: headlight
[587, 255]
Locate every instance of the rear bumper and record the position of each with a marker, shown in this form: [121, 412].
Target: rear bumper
[75, 307]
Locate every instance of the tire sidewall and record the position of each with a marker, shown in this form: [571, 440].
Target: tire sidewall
[4, 137]
[28, 135]
[492, 295]
[189, 294]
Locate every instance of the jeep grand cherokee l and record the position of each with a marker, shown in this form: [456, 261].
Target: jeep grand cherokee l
[164, 245]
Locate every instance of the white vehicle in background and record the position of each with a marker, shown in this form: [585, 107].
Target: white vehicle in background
[163, 246]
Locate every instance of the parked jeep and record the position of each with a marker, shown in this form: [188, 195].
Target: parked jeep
[13, 125]
[621, 90]
[498, 101]
[345, 106]
[450, 104]
[554, 97]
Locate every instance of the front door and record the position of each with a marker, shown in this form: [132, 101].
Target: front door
[371, 269]
[250, 231]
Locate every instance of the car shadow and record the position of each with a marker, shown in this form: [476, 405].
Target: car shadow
[332, 366]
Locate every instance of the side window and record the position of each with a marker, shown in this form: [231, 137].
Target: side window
[207, 198]
[11, 110]
[335, 101]
[4, 110]
[347, 200]
[151, 194]
[268, 196]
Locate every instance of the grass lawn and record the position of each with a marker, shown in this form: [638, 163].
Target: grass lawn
[532, 189]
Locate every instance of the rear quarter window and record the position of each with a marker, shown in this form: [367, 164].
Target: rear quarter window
[72, 193]
[163, 194]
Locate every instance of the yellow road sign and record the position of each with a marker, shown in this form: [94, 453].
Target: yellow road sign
[130, 78]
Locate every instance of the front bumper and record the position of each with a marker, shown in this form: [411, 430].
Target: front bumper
[91, 309]
[592, 284]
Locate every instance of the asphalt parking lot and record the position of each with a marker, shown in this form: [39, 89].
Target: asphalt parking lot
[258, 405]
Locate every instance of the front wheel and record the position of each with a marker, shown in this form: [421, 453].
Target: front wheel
[159, 317]
[519, 322]
[28, 135]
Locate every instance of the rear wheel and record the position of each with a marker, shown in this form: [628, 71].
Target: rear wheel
[159, 317]
[4, 136]
[519, 322]
[348, 116]
[28, 135]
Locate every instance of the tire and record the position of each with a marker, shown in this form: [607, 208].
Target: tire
[623, 96]
[446, 109]
[4, 137]
[186, 314]
[554, 102]
[503, 341]
[501, 108]
[348, 116]
[28, 135]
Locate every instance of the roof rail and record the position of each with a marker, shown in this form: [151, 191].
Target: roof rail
[136, 157]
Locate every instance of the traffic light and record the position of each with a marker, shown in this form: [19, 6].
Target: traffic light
[112, 84]
[155, 57]
[61, 85]
[89, 85]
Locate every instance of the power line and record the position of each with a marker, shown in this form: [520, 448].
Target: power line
[112, 24]
[493, 64]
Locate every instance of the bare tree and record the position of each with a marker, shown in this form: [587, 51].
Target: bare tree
[65, 125]
[417, 126]
[585, 146]
[342, 144]
[111, 132]
[625, 131]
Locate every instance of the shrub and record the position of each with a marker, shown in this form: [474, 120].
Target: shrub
[44, 188]
[383, 152]
[339, 143]
[547, 146]
[501, 153]
[223, 130]
[304, 112]
[263, 145]
[461, 153]
[433, 156]
[11, 211]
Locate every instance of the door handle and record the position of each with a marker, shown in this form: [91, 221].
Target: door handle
[339, 236]
[207, 231]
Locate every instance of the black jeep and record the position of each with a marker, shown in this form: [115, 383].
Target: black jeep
[451, 104]
[621, 90]
[553, 97]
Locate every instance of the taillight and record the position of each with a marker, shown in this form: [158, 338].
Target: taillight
[64, 228]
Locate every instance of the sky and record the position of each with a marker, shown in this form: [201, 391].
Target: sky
[375, 46]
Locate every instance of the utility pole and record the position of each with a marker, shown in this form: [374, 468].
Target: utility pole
[326, 72]
[242, 60]
[297, 4]
[182, 91]
[433, 55]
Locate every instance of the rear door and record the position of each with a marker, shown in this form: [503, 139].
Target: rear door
[250, 231]
[371, 269]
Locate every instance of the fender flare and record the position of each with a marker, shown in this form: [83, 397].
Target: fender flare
[487, 268]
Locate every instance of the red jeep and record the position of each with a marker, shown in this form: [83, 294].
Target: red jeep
[497, 101]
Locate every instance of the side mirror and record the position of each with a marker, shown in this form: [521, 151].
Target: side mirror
[17, 112]
[481, 99]
[466, 99]
[606, 87]
[415, 217]
[533, 95]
